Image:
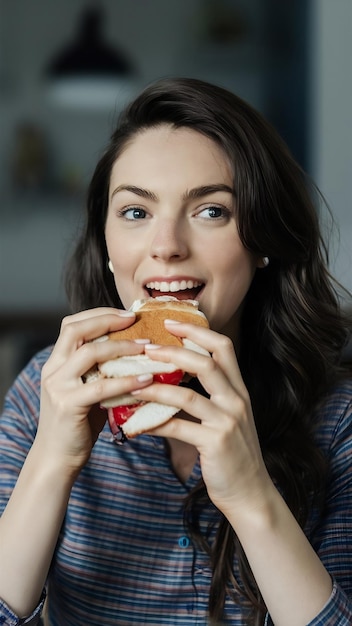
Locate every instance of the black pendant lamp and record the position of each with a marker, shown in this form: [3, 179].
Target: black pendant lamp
[89, 73]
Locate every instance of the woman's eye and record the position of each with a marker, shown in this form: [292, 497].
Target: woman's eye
[133, 213]
[213, 212]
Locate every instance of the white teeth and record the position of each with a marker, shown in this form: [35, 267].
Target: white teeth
[175, 285]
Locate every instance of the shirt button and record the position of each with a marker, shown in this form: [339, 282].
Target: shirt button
[183, 542]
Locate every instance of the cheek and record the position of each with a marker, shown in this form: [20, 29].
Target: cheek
[123, 288]
[241, 274]
[121, 256]
[232, 276]
[230, 261]
[119, 248]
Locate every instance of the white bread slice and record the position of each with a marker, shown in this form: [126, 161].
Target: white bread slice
[133, 365]
[147, 417]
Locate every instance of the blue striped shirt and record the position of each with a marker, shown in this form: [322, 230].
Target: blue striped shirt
[123, 555]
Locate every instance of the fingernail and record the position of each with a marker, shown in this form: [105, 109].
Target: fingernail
[142, 341]
[143, 378]
[168, 321]
[126, 314]
[152, 346]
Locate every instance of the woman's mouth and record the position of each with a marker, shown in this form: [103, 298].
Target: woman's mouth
[180, 289]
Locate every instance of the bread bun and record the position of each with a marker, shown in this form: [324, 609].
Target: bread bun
[151, 314]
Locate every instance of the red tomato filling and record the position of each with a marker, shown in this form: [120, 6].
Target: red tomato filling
[120, 414]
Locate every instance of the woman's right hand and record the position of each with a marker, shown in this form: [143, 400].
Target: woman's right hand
[70, 417]
[69, 423]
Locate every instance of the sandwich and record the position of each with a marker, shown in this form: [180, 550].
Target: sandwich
[128, 416]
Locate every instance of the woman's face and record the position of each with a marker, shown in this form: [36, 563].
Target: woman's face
[171, 224]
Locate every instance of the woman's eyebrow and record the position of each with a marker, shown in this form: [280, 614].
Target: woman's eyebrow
[205, 190]
[191, 194]
[139, 191]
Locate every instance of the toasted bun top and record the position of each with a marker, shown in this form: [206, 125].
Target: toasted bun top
[150, 316]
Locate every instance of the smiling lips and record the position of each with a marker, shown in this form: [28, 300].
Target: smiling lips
[180, 288]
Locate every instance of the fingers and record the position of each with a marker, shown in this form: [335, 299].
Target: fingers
[94, 323]
[91, 313]
[220, 347]
[182, 430]
[89, 354]
[183, 398]
[88, 325]
[219, 413]
[70, 374]
[224, 388]
[103, 389]
[82, 327]
[221, 427]
[68, 426]
[75, 354]
[66, 393]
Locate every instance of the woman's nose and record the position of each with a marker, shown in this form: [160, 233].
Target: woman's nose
[169, 242]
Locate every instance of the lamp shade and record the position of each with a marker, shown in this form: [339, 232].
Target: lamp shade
[89, 73]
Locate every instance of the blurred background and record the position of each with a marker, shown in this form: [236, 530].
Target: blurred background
[67, 68]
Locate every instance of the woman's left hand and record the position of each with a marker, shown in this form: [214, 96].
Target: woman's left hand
[224, 431]
[236, 478]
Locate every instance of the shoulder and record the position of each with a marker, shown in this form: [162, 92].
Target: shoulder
[23, 397]
[334, 417]
[31, 374]
[38, 360]
[19, 419]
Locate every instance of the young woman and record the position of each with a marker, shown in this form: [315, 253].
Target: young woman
[238, 510]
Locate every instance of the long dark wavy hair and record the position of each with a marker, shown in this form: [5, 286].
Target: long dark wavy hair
[292, 329]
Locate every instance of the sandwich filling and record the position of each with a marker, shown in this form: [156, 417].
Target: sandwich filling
[118, 415]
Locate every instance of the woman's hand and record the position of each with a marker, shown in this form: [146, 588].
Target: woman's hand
[70, 417]
[67, 429]
[224, 431]
[236, 477]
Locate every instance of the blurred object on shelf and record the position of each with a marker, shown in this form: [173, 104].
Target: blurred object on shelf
[71, 182]
[222, 22]
[37, 170]
[31, 161]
